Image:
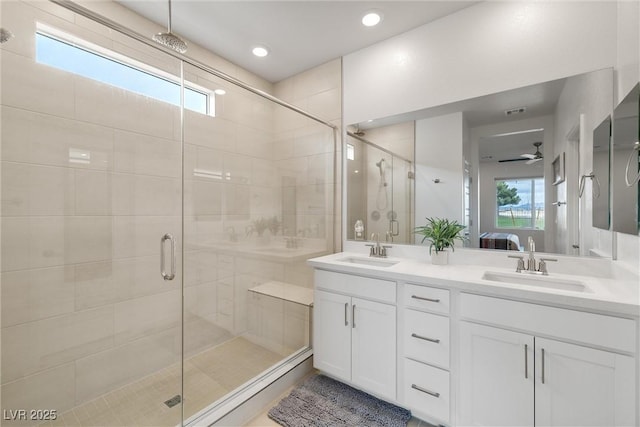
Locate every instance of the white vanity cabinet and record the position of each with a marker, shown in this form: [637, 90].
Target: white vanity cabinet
[509, 378]
[354, 331]
[458, 352]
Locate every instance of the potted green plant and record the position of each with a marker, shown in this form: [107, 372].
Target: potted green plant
[442, 234]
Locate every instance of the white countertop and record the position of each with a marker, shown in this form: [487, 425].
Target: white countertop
[275, 252]
[606, 293]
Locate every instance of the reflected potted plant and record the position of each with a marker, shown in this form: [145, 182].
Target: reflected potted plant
[442, 234]
[259, 226]
[273, 225]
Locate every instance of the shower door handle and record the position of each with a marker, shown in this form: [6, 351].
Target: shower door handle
[172, 242]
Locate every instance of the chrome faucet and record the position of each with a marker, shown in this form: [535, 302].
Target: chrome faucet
[233, 236]
[377, 250]
[292, 242]
[531, 263]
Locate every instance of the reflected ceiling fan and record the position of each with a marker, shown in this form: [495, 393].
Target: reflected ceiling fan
[530, 158]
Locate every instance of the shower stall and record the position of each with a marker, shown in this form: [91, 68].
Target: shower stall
[379, 188]
[156, 219]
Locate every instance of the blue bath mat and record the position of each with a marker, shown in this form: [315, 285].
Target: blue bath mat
[323, 402]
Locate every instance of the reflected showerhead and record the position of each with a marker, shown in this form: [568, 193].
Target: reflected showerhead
[5, 35]
[358, 132]
[171, 41]
[380, 163]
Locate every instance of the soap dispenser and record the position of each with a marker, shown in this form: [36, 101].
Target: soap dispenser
[359, 230]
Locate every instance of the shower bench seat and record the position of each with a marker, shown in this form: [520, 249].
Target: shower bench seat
[285, 291]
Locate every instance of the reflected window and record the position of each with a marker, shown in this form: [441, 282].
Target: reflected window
[351, 152]
[520, 203]
[117, 71]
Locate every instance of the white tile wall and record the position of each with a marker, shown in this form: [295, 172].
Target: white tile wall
[51, 389]
[34, 346]
[29, 295]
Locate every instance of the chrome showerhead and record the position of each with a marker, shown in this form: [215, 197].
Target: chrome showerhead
[358, 132]
[5, 35]
[170, 40]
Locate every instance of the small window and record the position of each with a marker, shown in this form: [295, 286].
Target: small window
[82, 60]
[520, 203]
[351, 152]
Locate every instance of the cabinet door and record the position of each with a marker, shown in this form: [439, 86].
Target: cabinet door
[496, 377]
[332, 334]
[583, 386]
[374, 347]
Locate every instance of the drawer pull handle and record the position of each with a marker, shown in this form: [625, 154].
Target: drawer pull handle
[420, 337]
[424, 390]
[425, 299]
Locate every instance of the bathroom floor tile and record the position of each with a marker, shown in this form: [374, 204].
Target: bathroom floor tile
[209, 375]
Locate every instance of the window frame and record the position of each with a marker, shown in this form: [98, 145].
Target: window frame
[125, 61]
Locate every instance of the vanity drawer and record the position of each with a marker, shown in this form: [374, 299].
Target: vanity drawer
[374, 289]
[589, 328]
[426, 298]
[426, 391]
[426, 337]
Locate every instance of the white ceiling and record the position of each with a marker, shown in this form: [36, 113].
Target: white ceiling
[300, 34]
[505, 147]
[539, 100]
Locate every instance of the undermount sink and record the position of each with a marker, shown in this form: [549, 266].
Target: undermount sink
[534, 280]
[375, 262]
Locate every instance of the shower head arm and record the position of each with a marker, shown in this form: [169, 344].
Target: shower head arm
[169, 20]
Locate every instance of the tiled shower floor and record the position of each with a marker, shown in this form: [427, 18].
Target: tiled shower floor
[209, 375]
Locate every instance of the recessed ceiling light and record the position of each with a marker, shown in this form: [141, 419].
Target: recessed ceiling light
[260, 51]
[371, 19]
[220, 91]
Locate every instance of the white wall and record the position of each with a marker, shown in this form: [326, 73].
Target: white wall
[439, 143]
[627, 48]
[487, 48]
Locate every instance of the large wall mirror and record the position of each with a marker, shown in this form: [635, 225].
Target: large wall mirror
[626, 171]
[506, 165]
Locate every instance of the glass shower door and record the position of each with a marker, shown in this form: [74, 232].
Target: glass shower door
[91, 183]
[258, 185]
